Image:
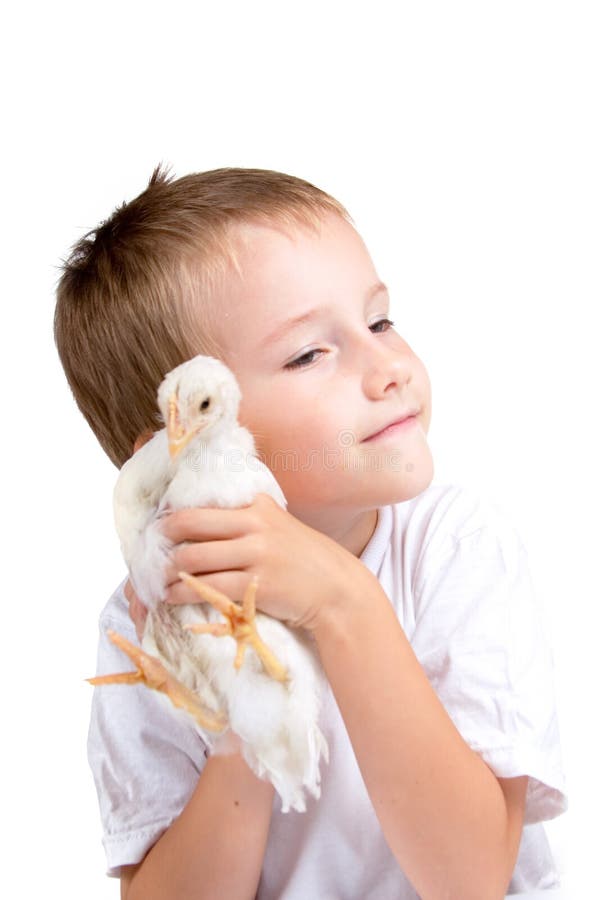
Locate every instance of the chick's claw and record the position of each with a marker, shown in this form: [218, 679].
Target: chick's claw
[239, 623]
[151, 672]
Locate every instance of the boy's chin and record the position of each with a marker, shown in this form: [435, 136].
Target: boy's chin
[370, 495]
[389, 497]
[397, 487]
[360, 489]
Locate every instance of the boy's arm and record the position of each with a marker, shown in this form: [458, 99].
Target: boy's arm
[452, 825]
[215, 848]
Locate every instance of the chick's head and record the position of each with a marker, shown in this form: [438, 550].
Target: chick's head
[201, 396]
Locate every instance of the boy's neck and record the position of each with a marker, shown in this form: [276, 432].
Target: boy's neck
[352, 530]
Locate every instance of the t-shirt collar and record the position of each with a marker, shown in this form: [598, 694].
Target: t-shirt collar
[372, 555]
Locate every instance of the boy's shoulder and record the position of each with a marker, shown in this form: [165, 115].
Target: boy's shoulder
[446, 515]
[460, 510]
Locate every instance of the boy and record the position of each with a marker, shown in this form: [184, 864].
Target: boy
[440, 716]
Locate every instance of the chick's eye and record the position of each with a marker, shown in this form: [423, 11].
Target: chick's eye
[205, 404]
[387, 322]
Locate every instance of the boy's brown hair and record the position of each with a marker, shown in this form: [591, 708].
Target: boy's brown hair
[135, 296]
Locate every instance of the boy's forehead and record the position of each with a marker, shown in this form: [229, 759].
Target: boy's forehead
[288, 273]
[294, 267]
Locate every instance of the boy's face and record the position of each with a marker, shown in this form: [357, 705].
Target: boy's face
[310, 422]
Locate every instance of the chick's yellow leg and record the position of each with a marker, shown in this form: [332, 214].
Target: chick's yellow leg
[151, 672]
[239, 623]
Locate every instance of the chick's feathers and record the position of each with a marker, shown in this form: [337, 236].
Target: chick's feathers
[276, 721]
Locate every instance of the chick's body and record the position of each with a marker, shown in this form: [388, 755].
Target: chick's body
[277, 721]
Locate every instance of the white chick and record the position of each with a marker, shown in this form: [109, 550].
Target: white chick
[270, 696]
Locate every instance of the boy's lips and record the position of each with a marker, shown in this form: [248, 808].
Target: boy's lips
[410, 414]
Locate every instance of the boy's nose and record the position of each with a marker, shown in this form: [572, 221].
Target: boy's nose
[384, 370]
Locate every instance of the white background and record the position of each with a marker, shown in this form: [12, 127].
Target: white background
[464, 140]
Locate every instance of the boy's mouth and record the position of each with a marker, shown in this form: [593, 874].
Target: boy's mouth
[410, 414]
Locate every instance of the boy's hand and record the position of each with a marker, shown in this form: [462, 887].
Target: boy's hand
[137, 610]
[300, 570]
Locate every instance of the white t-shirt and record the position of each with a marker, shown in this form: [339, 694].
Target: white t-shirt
[457, 575]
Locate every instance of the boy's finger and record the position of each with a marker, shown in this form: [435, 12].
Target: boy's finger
[202, 524]
[131, 595]
[209, 556]
[138, 613]
[232, 584]
[128, 591]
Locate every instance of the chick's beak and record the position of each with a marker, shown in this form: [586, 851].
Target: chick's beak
[177, 435]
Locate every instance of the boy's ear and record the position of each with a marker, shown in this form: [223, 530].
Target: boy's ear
[142, 439]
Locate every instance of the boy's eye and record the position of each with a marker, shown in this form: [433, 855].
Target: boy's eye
[303, 360]
[307, 358]
[387, 322]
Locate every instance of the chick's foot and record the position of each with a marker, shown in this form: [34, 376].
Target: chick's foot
[240, 623]
[151, 672]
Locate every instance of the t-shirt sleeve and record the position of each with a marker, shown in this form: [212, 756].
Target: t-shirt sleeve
[145, 756]
[480, 636]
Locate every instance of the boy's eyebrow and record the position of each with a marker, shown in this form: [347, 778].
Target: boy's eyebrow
[284, 327]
